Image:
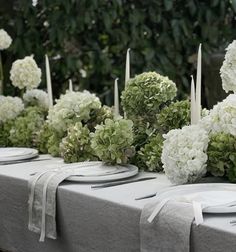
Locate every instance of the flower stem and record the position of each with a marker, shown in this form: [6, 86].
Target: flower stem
[1, 75]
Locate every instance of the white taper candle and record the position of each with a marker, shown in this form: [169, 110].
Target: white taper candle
[199, 83]
[70, 85]
[116, 99]
[127, 66]
[193, 102]
[49, 83]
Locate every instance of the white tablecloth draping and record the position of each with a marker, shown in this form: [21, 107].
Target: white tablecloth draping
[101, 220]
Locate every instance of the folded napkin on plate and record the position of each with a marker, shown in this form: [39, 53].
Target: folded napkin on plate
[42, 198]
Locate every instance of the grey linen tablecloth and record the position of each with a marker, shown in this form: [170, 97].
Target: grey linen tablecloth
[104, 220]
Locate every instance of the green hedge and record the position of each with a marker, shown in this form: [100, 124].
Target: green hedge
[94, 35]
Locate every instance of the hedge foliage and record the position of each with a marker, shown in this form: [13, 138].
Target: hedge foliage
[87, 40]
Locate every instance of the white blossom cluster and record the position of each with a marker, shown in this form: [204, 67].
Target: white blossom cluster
[5, 40]
[71, 108]
[10, 108]
[222, 117]
[184, 154]
[228, 69]
[36, 97]
[25, 73]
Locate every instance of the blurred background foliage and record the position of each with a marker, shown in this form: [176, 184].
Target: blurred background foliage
[87, 40]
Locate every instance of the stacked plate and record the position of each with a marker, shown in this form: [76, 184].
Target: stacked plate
[214, 197]
[97, 171]
[14, 154]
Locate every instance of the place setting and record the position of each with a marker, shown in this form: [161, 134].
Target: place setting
[116, 135]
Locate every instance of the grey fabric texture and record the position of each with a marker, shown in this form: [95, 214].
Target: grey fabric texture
[103, 220]
[170, 230]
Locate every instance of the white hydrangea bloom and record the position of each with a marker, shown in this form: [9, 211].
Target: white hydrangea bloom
[184, 154]
[36, 97]
[25, 73]
[5, 40]
[222, 117]
[228, 69]
[10, 108]
[72, 107]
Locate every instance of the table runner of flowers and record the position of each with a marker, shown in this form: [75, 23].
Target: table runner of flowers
[155, 134]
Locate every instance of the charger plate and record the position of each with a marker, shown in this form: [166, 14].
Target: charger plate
[16, 154]
[96, 171]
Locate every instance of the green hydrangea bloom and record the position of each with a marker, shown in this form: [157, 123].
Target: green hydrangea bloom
[222, 156]
[174, 116]
[76, 146]
[150, 154]
[112, 141]
[146, 93]
[72, 107]
[42, 137]
[48, 140]
[53, 143]
[98, 116]
[25, 126]
[5, 133]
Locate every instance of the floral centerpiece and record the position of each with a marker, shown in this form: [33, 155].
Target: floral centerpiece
[72, 116]
[36, 97]
[184, 154]
[10, 108]
[25, 73]
[76, 146]
[190, 152]
[146, 93]
[26, 126]
[222, 156]
[112, 141]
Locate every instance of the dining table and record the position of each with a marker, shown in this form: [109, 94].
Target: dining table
[94, 219]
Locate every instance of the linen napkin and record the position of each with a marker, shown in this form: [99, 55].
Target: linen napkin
[170, 229]
[42, 198]
[165, 225]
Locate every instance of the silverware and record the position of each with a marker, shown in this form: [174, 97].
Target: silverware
[147, 196]
[122, 182]
[23, 161]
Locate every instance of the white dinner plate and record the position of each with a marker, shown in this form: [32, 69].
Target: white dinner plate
[215, 197]
[100, 172]
[17, 154]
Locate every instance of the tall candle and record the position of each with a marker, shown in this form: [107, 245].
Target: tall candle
[49, 83]
[116, 99]
[127, 66]
[70, 85]
[193, 102]
[198, 86]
